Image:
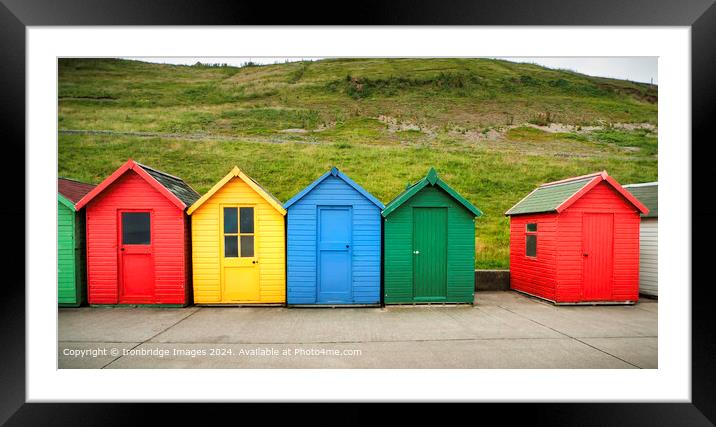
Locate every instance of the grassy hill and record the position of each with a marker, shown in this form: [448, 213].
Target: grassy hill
[493, 129]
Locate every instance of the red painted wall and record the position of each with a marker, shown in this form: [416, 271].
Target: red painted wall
[602, 198]
[537, 276]
[169, 239]
[556, 274]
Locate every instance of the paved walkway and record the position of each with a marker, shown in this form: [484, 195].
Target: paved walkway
[502, 330]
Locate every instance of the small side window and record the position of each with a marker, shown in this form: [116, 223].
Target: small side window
[531, 240]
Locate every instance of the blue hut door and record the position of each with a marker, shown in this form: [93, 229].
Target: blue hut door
[334, 255]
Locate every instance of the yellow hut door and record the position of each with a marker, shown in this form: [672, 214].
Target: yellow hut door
[239, 263]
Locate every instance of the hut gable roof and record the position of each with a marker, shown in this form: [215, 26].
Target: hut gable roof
[432, 179]
[70, 191]
[340, 175]
[73, 190]
[238, 173]
[175, 185]
[173, 188]
[647, 193]
[559, 195]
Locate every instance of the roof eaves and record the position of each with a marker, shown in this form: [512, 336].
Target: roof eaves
[273, 201]
[579, 193]
[627, 195]
[159, 186]
[455, 195]
[67, 202]
[360, 189]
[509, 211]
[306, 190]
[129, 164]
[403, 197]
[211, 191]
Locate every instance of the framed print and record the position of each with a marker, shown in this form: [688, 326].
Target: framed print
[435, 204]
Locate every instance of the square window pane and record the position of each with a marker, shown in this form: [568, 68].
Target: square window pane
[531, 245]
[247, 220]
[247, 246]
[136, 228]
[230, 225]
[231, 247]
[531, 227]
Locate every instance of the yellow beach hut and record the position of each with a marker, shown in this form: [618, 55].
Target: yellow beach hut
[238, 244]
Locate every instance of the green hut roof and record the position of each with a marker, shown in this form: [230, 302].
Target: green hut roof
[547, 197]
[433, 179]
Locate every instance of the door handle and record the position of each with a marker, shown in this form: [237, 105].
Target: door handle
[585, 254]
[255, 261]
[121, 249]
[416, 252]
[348, 246]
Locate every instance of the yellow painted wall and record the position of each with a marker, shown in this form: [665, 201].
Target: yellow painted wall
[269, 246]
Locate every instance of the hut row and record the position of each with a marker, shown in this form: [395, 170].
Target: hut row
[152, 240]
[143, 236]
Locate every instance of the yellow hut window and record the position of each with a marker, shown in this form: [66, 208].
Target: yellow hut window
[238, 232]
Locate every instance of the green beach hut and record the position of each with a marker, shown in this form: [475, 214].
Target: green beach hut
[429, 238]
[71, 275]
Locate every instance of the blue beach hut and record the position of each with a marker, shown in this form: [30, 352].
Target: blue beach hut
[333, 243]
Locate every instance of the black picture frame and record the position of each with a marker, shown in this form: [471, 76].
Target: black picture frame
[16, 15]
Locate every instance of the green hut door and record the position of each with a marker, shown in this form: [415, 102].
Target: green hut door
[429, 253]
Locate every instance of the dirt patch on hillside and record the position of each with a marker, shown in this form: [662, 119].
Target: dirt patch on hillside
[396, 125]
[565, 128]
[477, 136]
[293, 130]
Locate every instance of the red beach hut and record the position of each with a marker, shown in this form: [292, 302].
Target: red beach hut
[577, 241]
[138, 238]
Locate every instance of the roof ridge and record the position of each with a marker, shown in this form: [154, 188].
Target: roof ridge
[74, 180]
[573, 179]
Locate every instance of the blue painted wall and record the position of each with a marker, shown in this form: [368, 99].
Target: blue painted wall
[302, 235]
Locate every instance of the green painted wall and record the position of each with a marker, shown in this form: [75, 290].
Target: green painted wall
[66, 263]
[399, 257]
[71, 271]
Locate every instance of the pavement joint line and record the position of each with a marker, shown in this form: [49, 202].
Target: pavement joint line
[155, 335]
[574, 338]
[349, 342]
[356, 342]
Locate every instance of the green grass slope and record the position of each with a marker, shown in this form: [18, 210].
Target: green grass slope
[493, 129]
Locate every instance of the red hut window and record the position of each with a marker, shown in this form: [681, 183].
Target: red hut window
[531, 240]
[136, 228]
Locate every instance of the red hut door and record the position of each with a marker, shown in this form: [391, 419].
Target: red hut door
[136, 266]
[598, 256]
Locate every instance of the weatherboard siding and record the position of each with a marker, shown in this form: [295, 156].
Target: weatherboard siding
[649, 257]
[557, 273]
[534, 275]
[270, 247]
[302, 236]
[601, 199]
[169, 246]
[398, 246]
[67, 285]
